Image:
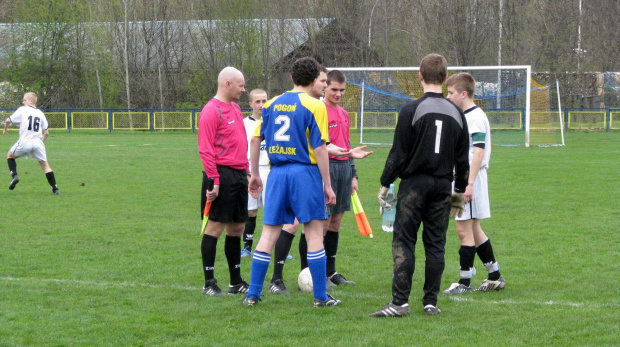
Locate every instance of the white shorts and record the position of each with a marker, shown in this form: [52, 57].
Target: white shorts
[254, 204]
[479, 207]
[23, 148]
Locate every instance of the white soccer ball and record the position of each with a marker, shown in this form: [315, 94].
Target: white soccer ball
[304, 281]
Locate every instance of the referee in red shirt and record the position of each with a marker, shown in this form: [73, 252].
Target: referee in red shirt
[223, 150]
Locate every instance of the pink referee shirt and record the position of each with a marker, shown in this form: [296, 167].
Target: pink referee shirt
[221, 138]
[338, 119]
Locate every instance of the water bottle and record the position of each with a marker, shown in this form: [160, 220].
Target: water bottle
[389, 215]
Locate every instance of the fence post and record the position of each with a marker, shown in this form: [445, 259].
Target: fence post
[193, 121]
[69, 120]
[607, 120]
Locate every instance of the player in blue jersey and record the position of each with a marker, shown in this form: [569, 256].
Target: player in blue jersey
[295, 130]
[283, 245]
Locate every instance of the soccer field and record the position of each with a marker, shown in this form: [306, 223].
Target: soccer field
[115, 260]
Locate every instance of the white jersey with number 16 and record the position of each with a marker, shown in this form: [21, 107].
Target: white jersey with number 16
[32, 122]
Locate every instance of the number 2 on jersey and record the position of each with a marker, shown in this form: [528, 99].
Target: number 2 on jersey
[439, 125]
[280, 134]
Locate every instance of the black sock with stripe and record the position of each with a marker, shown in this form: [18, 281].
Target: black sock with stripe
[208, 248]
[282, 249]
[12, 166]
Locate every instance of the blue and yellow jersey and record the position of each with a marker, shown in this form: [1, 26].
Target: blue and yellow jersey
[294, 123]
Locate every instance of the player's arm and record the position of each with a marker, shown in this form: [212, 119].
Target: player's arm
[322, 161]
[354, 187]
[355, 153]
[402, 144]
[46, 133]
[461, 159]
[474, 167]
[255, 185]
[7, 122]
[206, 134]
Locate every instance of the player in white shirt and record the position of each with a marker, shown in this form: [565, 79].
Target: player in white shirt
[474, 241]
[258, 98]
[33, 131]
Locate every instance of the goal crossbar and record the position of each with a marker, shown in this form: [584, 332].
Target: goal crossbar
[526, 87]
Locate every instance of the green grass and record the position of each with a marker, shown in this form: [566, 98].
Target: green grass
[115, 260]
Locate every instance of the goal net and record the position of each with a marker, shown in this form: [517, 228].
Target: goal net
[520, 111]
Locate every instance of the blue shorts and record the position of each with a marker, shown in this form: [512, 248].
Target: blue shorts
[294, 190]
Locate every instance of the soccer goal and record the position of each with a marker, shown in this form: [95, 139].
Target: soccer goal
[520, 111]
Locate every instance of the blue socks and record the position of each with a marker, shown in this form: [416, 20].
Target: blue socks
[260, 265]
[317, 262]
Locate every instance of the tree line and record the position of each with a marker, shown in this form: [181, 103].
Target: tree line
[167, 53]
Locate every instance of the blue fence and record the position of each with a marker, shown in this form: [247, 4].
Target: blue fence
[187, 119]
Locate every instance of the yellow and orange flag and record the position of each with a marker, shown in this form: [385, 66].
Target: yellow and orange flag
[205, 217]
[360, 216]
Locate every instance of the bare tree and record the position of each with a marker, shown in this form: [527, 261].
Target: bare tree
[125, 39]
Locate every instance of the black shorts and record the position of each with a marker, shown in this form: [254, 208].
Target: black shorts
[341, 176]
[231, 204]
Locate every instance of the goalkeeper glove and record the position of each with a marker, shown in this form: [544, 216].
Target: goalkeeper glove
[457, 202]
[381, 197]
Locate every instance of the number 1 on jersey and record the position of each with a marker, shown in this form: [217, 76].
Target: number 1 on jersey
[439, 125]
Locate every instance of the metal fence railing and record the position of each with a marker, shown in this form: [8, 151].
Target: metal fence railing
[602, 119]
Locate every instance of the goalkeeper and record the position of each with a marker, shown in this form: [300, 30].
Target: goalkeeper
[473, 239]
[429, 150]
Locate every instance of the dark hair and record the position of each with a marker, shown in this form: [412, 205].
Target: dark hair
[304, 71]
[462, 82]
[434, 68]
[336, 76]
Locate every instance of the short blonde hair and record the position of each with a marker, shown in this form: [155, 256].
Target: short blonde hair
[253, 93]
[31, 96]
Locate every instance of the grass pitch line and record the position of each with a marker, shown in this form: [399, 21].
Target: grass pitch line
[194, 288]
[535, 303]
[99, 284]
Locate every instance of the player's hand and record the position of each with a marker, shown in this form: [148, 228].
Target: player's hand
[457, 205]
[381, 197]
[359, 153]
[469, 193]
[337, 151]
[354, 186]
[330, 196]
[255, 186]
[212, 194]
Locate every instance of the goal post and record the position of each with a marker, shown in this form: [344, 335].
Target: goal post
[520, 111]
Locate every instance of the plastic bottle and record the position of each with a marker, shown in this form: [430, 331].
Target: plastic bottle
[389, 215]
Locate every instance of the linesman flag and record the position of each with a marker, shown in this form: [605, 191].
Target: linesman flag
[205, 215]
[360, 216]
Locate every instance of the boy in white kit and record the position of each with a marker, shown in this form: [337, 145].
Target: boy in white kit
[32, 135]
[258, 98]
[473, 239]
